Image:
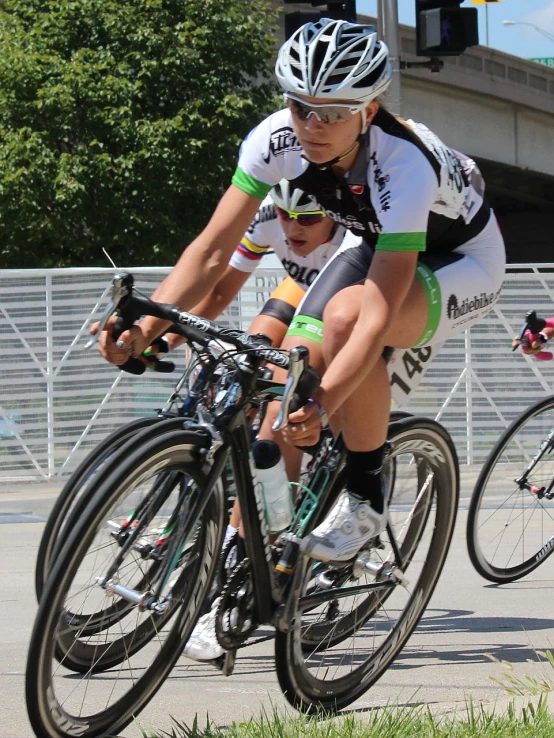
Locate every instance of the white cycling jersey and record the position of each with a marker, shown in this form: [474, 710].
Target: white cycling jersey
[265, 233]
[406, 191]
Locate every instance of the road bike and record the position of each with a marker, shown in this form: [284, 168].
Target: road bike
[86, 477]
[510, 526]
[148, 543]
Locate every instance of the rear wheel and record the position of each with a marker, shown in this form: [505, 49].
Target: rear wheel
[89, 574]
[510, 526]
[344, 637]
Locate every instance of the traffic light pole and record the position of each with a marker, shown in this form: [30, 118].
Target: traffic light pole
[388, 30]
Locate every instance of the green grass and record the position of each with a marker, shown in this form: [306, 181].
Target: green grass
[518, 685]
[532, 721]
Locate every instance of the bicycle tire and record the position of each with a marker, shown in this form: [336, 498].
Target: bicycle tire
[54, 714]
[510, 530]
[79, 655]
[320, 633]
[75, 486]
[318, 680]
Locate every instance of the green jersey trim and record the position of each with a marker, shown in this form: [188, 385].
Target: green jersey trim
[304, 326]
[248, 184]
[432, 289]
[401, 242]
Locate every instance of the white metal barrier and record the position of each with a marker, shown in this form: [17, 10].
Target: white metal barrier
[57, 400]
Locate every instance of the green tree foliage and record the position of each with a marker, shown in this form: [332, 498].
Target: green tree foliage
[120, 122]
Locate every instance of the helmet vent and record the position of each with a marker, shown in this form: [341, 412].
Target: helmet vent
[317, 60]
[334, 79]
[369, 80]
[295, 64]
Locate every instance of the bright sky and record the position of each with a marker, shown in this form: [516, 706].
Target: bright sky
[520, 40]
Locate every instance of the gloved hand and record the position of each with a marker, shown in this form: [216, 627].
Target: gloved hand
[533, 343]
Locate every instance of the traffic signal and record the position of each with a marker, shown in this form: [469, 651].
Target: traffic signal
[337, 9]
[445, 29]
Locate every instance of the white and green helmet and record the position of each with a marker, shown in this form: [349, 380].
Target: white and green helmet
[334, 59]
[285, 195]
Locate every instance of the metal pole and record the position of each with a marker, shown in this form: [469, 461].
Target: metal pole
[380, 16]
[469, 397]
[487, 22]
[50, 415]
[390, 33]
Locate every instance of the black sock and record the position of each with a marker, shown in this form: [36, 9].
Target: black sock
[364, 476]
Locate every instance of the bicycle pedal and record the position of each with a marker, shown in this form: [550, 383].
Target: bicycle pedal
[226, 663]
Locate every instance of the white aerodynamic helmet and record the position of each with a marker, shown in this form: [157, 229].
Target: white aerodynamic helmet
[285, 195]
[334, 59]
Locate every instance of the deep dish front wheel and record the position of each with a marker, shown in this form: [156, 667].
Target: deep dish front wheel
[80, 487]
[146, 643]
[358, 626]
[510, 526]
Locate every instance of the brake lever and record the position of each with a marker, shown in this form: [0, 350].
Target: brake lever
[298, 364]
[122, 288]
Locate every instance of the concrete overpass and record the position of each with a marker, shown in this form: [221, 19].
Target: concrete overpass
[498, 109]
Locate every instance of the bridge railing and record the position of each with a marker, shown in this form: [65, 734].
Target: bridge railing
[57, 400]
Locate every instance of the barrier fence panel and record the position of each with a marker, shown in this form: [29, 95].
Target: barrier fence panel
[57, 400]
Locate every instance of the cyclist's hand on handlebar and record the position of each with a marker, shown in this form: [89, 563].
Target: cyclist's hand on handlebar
[172, 341]
[533, 344]
[304, 425]
[130, 343]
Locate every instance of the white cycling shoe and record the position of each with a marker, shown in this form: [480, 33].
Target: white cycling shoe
[203, 644]
[348, 527]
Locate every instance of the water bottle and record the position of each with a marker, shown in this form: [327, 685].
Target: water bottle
[272, 478]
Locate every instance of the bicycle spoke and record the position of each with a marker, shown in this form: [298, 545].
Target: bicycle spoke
[338, 647]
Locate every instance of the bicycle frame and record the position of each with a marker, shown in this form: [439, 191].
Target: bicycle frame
[546, 447]
[227, 432]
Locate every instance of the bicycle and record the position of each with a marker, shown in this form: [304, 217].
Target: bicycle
[87, 475]
[337, 627]
[510, 528]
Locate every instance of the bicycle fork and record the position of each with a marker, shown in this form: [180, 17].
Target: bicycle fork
[539, 492]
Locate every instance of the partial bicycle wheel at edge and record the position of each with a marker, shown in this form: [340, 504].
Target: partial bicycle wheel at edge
[80, 484]
[373, 626]
[62, 704]
[510, 525]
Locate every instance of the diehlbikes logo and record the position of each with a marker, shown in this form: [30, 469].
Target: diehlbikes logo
[349, 221]
[461, 313]
[381, 181]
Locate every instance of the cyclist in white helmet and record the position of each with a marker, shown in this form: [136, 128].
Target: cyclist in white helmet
[290, 223]
[430, 265]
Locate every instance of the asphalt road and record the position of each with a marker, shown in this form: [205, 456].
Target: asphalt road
[469, 626]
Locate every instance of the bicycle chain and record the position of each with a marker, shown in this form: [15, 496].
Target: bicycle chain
[236, 604]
